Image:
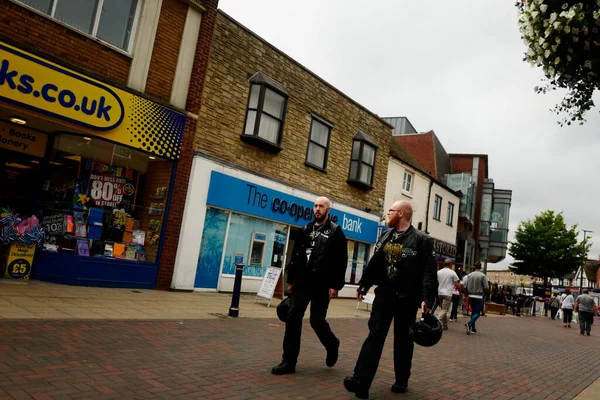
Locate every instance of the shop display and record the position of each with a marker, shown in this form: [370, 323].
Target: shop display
[19, 239]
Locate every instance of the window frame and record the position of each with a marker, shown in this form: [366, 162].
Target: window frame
[327, 124]
[264, 247]
[437, 208]
[450, 213]
[412, 177]
[264, 83]
[363, 140]
[96, 23]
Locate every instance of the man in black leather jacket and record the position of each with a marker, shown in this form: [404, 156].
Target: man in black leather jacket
[315, 274]
[403, 268]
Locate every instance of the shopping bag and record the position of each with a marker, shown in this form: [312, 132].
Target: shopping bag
[574, 319]
[559, 314]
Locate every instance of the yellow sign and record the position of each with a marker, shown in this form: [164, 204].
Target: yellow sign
[20, 259]
[111, 113]
[18, 138]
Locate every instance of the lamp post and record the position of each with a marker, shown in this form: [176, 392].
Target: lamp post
[583, 266]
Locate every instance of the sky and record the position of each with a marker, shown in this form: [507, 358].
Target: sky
[457, 68]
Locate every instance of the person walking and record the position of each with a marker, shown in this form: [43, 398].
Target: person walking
[403, 268]
[554, 304]
[315, 274]
[567, 308]
[456, 296]
[586, 308]
[477, 287]
[447, 283]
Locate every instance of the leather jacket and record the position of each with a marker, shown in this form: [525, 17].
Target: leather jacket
[417, 268]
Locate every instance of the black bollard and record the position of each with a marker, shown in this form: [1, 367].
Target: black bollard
[234, 310]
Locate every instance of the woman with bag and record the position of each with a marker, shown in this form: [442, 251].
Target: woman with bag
[554, 304]
[567, 307]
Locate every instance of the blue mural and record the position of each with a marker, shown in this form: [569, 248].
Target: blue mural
[211, 251]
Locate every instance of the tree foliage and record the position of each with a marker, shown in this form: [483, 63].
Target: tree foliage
[546, 248]
[563, 38]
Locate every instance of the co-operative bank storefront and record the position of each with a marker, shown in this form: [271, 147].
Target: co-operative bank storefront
[93, 163]
[234, 217]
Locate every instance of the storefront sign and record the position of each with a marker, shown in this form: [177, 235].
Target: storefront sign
[18, 138]
[19, 261]
[107, 112]
[269, 283]
[238, 195]
[110, 186]
[444, 249]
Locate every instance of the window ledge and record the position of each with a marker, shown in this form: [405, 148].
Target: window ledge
[407, 194]
[261, 143]
[359, 184]
[323, 170]
[437, 219]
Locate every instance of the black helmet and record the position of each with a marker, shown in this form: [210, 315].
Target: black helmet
[426, 332]
[283, 309]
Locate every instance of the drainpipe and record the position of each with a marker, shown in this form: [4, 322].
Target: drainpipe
[427, 212]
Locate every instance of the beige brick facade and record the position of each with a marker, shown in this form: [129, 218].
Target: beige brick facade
[236, 55]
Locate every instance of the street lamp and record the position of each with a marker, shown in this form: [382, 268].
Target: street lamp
[583, 266]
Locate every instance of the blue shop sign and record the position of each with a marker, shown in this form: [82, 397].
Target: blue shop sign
[245, 197]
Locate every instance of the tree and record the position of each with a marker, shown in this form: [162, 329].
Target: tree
[546, 248]
[563, 38]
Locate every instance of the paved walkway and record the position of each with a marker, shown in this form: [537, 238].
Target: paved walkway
[189, 352]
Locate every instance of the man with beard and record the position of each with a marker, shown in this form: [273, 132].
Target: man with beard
[403, 267]
[315, 274]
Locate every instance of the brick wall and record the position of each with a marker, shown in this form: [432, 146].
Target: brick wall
[51, 40]
[420, 147]
[166, 49]
[236, 55]
[184, 166]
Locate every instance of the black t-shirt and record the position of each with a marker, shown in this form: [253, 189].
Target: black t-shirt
[315, 244]
[393, 252]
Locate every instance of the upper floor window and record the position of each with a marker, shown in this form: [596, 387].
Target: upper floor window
[265, 113]
[112, 21]
[450, 214]
[362, 161]
[407, 184]
[318, 144]
[437, 208]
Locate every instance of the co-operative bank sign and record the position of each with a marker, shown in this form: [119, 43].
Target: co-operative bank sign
[103, 110]
[246, 197]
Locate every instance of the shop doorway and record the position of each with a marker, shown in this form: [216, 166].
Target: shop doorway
[19, 178]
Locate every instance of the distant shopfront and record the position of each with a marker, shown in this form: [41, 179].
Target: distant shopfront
[253, 221]
[94, 163]
[443, 251]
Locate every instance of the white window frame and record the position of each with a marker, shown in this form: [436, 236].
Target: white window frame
[437, 208]
[134, 25]
[329, 127]
[411, 180]
[450, 213]
[255, 240]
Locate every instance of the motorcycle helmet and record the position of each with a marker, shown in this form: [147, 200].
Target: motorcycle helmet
[283, 309]
[427, 332]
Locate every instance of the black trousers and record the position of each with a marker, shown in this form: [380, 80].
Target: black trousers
[319, 303]
[387, 307]
[586, 319]
[553, 311]
[455, 301]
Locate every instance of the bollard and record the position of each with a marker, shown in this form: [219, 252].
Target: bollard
[234, 310]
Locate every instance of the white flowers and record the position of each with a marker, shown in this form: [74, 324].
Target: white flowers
[544, 8]
[587, 64]
[547, 54]
[557, 61]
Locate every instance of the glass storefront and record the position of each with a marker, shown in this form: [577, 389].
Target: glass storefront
[358, 254]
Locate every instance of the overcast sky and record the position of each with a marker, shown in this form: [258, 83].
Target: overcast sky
[454, 67]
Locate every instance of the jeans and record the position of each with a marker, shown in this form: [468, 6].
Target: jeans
[455, 301]
[445, 302]
[586, 319]
[476, 305]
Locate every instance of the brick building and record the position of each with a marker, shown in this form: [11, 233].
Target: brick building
[98, 115]
[272, 136]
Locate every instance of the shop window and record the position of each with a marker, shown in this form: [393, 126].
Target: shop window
[362, 161]
[357, 261]
[407, 183]
[450, 214]
[437, 208]
[318, 144]
[109, 20]
[265, 113]
[102, 200]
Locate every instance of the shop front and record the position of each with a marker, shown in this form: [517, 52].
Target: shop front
[254, 221]
[93, 163]
[443, 251]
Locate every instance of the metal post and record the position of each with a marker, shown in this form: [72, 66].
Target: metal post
[234, 310]
[583, 266]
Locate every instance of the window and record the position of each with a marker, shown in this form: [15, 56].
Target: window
[109, 20]
[318, 144]
[362, 161]
[437, 208]
[257, 249]
[407, 184]
[450, 214]
[265, 113]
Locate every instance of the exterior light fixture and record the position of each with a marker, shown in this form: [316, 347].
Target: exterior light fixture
[18, 121]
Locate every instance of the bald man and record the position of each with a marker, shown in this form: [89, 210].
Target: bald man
[315, 274]
[403, 268]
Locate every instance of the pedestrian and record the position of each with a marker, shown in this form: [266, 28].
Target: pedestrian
[466, 303]
[567, 308]
[587, 308]
[447, 282]
[477, 288]
[456, 296]
[554, 304]
[403, 268]
[315, 274]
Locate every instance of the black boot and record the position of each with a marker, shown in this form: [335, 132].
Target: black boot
[354, 386]
[284, 368]
[398, 388]
[332, 355]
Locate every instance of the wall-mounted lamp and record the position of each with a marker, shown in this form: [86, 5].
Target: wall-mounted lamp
[17, 120]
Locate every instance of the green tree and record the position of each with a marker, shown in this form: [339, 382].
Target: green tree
[563, 38]
[547, 248]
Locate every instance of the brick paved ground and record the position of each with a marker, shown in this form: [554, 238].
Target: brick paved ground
[527, 358]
